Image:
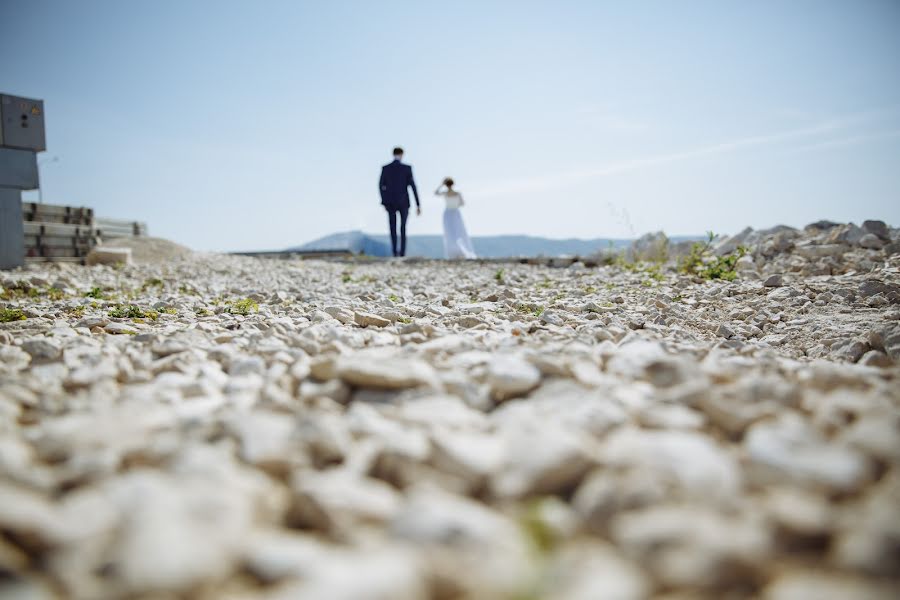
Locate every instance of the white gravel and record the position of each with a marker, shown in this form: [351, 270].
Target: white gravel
[427, 430]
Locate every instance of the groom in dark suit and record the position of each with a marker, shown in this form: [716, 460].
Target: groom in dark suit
[395, 179]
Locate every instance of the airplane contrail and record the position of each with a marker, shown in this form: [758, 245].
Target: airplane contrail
[559, 179]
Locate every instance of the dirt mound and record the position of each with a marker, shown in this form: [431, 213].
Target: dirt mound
[146, 250]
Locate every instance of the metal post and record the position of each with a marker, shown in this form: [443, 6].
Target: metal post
[40, 187]
[12, 232]
[21, 138]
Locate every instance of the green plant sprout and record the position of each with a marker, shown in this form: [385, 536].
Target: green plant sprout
[7, 315]
[132, 312]
[243, 307]
[702, 263]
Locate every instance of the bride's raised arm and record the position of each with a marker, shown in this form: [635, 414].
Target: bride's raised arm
[437, 192]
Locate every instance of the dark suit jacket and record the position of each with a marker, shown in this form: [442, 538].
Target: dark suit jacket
[395, 179]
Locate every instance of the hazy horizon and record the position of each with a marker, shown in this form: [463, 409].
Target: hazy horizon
[228, 126]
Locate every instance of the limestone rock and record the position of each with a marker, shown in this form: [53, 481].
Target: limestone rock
[510, 376]
[492, 550]
[340, 313]
[684, 545]
[849, 234]
[774, 281]
[470, 456]
[790, 450]
[850, 350]
[168, 541]
[342, 574]
[688, 460]
[587, 571]
[559, 466]
[870, 240]
[724, 331]
[390, 374]
[634, 359]
[117, 328]
[41, 350]
[818, 585]
[876, 358]
[877, 228]
[365, 319]
[337, 500]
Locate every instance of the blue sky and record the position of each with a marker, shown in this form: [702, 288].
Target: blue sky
[238, 125]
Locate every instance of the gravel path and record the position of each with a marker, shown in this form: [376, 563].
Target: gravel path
[227, 427]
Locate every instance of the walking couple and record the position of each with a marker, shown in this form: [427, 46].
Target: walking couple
[396, 178]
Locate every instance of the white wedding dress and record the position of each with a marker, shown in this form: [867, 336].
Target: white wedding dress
[456, 239]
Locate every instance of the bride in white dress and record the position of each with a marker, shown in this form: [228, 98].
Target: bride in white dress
[456, 240]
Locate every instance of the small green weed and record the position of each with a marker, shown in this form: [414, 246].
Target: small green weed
[95, 293]
[77, 311]
[623, 263]
[723, 267]
[132, 312]
[498, 276]
[7, 315]
[120, 312]
[243, 307]
[653, 271]
[702, 263]
[535, 527]
[394, 298]
[18, 290]
[23, 290]
[530, 309]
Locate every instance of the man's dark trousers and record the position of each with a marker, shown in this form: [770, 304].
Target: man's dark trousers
[403, 212]
[396, 179]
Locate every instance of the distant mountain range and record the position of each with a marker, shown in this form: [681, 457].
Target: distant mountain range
[495, 246]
